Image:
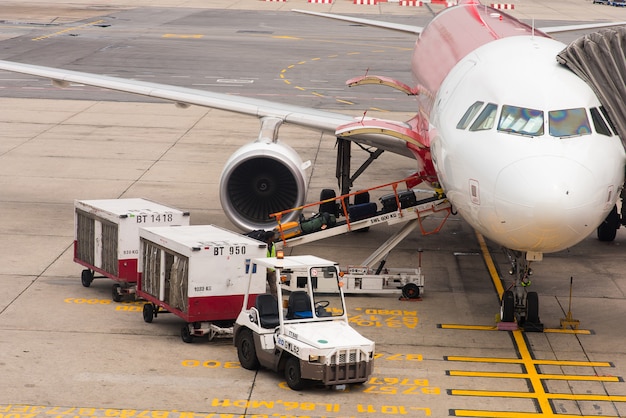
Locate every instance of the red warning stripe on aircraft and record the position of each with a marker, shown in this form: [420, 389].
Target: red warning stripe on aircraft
[503, 6]
[410, 3]
[321, 1]
[366, 2]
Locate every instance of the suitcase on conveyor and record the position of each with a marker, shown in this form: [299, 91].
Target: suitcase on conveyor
[290, 230]
[407, 199]
[362, 211]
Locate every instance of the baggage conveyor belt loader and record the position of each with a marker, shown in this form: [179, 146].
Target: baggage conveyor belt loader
[304, 334]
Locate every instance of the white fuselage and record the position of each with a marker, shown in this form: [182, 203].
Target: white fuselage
[539, 179]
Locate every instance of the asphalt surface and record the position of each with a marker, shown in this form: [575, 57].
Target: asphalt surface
[67, 350]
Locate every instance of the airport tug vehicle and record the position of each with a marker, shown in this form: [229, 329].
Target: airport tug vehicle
[305, 333]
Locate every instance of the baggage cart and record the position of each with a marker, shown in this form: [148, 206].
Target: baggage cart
[106, 239]
[200, 274]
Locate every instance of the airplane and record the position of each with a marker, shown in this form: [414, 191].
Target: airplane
[522, 147]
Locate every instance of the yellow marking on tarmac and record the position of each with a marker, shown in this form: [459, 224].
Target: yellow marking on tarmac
[61, 32]
[495, 328]
[300, 88]
[354, 53]
[345, 101]
[182, 36]
[317, 94]
[286, 37]
[543, 400]
[509, 375]
[493, 272]
[315, 59]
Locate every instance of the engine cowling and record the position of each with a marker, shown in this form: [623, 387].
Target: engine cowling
[259, 179]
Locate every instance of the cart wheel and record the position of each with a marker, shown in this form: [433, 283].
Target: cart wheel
[86, 277]
[116, 293]
[246, 351]
[148, 312]
[185, 334]
[292, 374]
[411, 291]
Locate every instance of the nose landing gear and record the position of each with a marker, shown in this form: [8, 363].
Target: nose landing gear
[518, 304]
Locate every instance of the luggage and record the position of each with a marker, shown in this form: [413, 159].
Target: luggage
[257, 234]
[407, 199]
[362, 211]
[290, 230]
[331, 207]
[318, 222]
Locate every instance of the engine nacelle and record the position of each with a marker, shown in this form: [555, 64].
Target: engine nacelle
[259, 179]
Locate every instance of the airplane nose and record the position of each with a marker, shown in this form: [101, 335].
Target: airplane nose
[551, 203]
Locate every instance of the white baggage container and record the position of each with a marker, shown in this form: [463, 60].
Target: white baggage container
[106, 237]
[199, 273]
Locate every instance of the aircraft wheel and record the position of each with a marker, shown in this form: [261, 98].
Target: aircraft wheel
[116, 293]
[507, 309]
[532, 308]
[148, 312]
[410, 291]
[607, 230]
[86, 277]
[246, 351]
[186, 335]
[292, 374]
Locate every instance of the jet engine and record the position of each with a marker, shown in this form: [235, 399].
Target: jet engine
[259, 179]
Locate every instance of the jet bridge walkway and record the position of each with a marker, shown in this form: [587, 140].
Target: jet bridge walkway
[411, 216]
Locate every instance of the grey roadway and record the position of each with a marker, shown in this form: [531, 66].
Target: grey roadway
[66, 350]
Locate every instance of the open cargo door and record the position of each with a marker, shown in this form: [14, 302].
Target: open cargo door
[599, 58]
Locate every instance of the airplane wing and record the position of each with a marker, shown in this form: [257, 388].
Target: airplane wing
[415, 30]
[587, 26]
[183, 97]
[277, 166]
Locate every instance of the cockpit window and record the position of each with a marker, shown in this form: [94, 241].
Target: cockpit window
[469, 115]
[520, 120]
[486, 119]
[598, 122]
[568, 122]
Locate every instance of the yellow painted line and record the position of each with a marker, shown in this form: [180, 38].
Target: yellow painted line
[493, 272]
[300, 88]
[345, 101]
[354, 53]
[507, 375]
[287, 81]
[333, 56]
[315, 59]
[469, 327]
[567, 331]
[570, 363]
[507, 414]
[291, 66]
[378, 109]
[286, 37]
[95, 22]
[529, 395]
[495, 328]
[302, 62]
[317, 94]
[182, 36]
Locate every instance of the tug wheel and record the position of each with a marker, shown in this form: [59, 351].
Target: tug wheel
[246, 351]
[293, 375]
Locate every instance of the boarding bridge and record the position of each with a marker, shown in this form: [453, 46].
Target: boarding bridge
[411, 217]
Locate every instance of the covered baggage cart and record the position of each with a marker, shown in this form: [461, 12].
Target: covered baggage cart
[199, 273]
[106, 239]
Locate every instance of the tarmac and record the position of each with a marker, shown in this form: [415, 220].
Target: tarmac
[69, 351]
